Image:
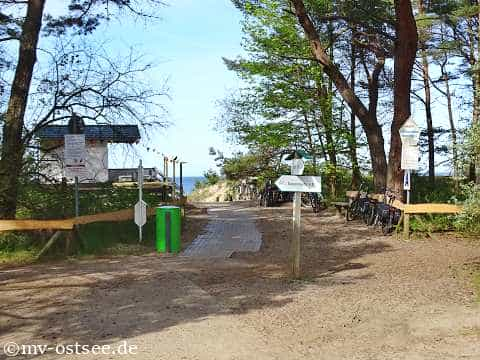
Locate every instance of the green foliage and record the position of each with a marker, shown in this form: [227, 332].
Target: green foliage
[263, 166]
[211, 177]
[113, 237]
[443, 191]
[38, 201]
[430, 223]
[468, 220]
[56, 202]
[14, 241]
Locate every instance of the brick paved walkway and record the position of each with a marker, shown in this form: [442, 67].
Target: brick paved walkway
[231, 229]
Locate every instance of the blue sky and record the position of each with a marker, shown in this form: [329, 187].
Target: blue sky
[186, 45]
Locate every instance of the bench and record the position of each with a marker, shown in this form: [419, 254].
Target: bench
[339, 206]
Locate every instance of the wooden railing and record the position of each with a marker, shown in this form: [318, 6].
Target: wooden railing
[68, 224]
[414, 209]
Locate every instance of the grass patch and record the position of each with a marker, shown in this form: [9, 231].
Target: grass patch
[17, 257]
[96, 239]
[116, 238]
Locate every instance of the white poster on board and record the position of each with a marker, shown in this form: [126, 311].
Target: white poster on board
[75, 155]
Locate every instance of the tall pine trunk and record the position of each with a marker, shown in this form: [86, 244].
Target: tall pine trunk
[453, 129]
[12, 142]
[404, 58]
[428, 100]
[352, 143]
[369, 123]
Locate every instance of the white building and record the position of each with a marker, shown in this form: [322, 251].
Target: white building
[97, 138]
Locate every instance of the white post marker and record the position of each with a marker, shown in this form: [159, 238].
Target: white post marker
[298, 184]
[141, 206]
[409, 134]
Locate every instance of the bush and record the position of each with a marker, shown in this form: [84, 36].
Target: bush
[469, 219]
[211, 177]
[39, 201]
[443, 191]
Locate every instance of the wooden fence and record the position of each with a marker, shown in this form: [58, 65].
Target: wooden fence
[414, 209]
[68, 224]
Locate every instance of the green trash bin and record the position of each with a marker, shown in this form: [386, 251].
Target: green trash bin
[168, 221]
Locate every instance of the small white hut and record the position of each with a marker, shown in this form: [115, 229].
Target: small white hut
[97, 138]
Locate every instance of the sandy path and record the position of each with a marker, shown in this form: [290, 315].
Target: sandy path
[364, 297]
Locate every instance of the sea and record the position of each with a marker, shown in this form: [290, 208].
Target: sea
[189, 183]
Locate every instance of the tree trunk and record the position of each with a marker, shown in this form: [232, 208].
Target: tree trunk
[311, 143]
[428, 101]
[453, 129]
[12, 144]
[428, 116]
[371, 127]
[477, 97]
[327, 123]
[475, 113]
[404, 58]
[352, 143]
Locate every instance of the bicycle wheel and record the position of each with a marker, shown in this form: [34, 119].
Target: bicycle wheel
[387, 226]
[366, 212]
[372, 216]
[352, 210]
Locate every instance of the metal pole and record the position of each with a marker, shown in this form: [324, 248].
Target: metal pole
[77, 198]
[406, 217]
[173, 172]
[166, 169]
[140, 193]
[295, 250]
[181, 179]
[140, 181]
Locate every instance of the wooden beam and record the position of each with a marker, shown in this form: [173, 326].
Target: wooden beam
[11, 225]
[432, 209]
[68, 224]
[352, 194]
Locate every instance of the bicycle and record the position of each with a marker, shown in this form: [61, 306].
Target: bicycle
[314, 200]
[385, 214]
[359, 206]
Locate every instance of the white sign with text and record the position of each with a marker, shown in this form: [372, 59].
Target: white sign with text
[292, 183]
[75, 155]
[410, 134]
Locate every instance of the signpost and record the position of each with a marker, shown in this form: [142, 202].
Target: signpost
[409, 134]
[75, 161]
[294, 183]
[140, 216]
[297, 184]
[297, 167]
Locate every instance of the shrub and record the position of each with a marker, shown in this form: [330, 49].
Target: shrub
[211, 177]
[469, 219]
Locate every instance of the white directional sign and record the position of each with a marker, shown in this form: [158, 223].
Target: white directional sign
[141, 213]
[294, 183]
[410, 134]
[75, 155]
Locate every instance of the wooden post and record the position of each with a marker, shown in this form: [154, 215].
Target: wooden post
[295, 250]
[49, 243]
